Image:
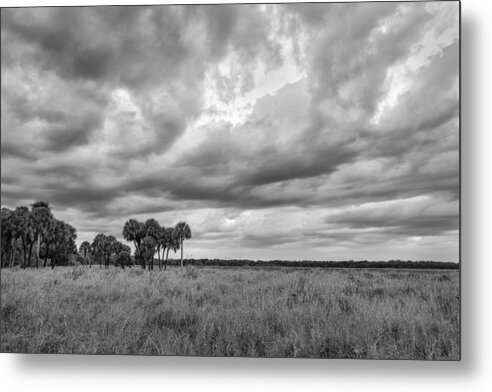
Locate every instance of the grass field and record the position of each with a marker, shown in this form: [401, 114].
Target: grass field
[384, 314]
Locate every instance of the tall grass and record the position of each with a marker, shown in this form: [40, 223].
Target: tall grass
[384, 314]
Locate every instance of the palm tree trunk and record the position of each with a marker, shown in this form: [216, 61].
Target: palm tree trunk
[12, 255]
[24, 254]
[37, 249]
[181, 254]
[167, 255]
[30, 254]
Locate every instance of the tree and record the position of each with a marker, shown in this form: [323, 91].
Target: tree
[161, 245]
[26, 232]
[182, 232]
[60, 242]
[42, 217]
[123, 255]
[170, 241]
[153, 229]
[7, 236]
[147, 249]
[86, 249]
[17, 227]
[134, 231]
[106, 248]
[110, 247]
[31, 236]
[50, 234]
[98, 244]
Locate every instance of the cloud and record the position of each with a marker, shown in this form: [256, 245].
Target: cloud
[268, 127]
[417, 216]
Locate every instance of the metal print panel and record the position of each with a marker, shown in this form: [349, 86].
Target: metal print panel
[254, 180]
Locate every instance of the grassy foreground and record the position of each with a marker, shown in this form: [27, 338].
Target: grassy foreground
[385, 314]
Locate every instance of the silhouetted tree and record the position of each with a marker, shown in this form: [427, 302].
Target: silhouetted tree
[133, 230]
[98, 244]
[153, 229]
[85, 250]
[170, 241]
[7, 236]
[42, 217]
[110, 247]
[26, 232]
[147, 249]
[182, 232]
[123, 255]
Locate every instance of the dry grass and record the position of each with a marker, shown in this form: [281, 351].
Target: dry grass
[385, 314]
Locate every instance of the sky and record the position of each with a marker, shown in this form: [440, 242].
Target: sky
[291, 131]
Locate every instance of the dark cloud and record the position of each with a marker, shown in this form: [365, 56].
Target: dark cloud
[261, 241]
[61, 137]
[396, 224]
[286, 167]
[14, 151]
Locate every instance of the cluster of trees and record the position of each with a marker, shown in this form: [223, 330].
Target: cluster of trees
[106, 249]
[35, 233]
[149, 239]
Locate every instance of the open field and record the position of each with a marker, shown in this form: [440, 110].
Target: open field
[384, 314]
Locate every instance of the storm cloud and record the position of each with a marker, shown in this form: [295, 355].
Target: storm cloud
[296, 131]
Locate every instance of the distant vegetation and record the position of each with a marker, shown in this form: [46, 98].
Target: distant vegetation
[324, 264]
[349, 313]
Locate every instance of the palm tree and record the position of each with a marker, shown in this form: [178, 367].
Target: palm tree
[42, 216]
[162, 243]
[85, 248]
[63, 242]
[133, 230]
[31, 227]
[16, 230]
[122, 257]
[7, 233]
[153, 229]
[55, 241]
[98, 247]
[147, 250]
[169, 241]
[183, 232]
[110, 247]
[26, 232]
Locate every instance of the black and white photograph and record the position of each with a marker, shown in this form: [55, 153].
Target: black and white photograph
[276, 180]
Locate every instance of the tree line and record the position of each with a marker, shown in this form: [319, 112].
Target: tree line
[404, 264]
[35, 233]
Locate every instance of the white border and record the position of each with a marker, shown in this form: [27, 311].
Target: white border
[93, 373]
